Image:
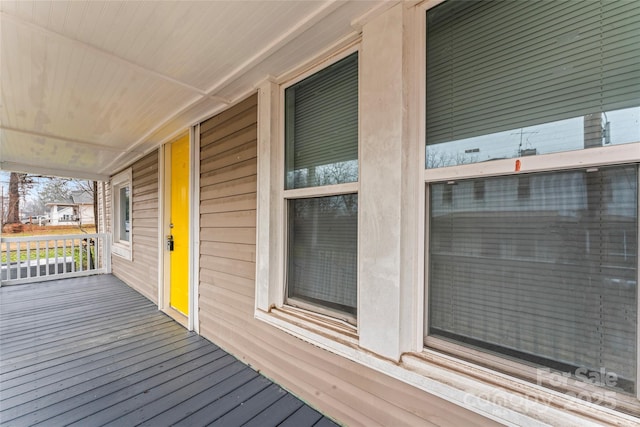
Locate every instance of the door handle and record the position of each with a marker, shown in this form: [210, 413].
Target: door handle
[170, 243]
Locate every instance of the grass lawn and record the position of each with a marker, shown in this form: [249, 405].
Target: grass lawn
[44, 230]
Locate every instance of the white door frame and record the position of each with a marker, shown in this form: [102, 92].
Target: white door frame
[164, 203]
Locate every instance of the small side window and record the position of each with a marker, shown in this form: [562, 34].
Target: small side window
[121, 214]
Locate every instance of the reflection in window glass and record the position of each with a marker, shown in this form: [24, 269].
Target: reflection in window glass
[543, 270]
[322, 250]
[610, 128]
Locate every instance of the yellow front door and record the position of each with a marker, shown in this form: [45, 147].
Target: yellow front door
[179, 225]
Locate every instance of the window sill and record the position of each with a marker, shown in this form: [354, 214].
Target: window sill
[123, 251]
[507, 398]
[312, 327]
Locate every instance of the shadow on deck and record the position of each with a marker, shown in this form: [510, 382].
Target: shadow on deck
[91, 351]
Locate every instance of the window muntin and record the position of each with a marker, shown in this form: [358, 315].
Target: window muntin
[550, 279]
[321, 125]
[321, 157]
[511, 79]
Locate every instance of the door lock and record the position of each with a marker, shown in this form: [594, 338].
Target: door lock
[170, 243]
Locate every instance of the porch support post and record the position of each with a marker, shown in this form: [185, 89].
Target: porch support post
[390, 186]
[269, 212]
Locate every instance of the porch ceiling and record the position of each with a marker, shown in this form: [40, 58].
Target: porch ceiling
[88, 87]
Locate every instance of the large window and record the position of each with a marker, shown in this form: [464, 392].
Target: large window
[321, 174]
[121, 213]
[539, 266]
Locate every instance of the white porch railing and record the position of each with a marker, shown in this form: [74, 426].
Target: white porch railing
[40, 258]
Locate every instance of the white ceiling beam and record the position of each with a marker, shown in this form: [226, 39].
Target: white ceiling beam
[65, 139]
[112, 56]
[45, 171]
[153, 130]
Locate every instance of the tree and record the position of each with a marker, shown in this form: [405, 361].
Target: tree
[13, 210]
[19, 184]
[91, 188]
[54, 190]
[437, 158]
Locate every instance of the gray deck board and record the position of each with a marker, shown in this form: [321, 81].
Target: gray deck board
[303, 417]
[91, 352]
[276, 413]
[20, 365]
[76, 386]
[188, 399]
[135, 328]
[40, 367]
[222, 406]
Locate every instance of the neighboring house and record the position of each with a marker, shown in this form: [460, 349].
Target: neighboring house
[350, 210]
[78, 209]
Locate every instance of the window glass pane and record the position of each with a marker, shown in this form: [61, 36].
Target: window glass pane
[518, 78]
[542, 268]
[125, 221]
[321, 122]
[322, 250]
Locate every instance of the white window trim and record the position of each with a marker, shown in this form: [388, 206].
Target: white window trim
[271, 301]
[119, 247]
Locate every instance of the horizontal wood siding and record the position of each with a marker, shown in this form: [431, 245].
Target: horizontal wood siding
[142, 273]
[345, 390]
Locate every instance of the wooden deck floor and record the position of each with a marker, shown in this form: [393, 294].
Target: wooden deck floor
[91, 352]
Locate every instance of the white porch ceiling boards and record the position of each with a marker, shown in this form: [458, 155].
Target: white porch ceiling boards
[87, 87]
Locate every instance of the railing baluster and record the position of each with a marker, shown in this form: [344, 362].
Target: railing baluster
[6, 255]
[6, 260]
[82, 244]
[97, 253]
[64, 255]
[94, 253]
[19, 266]
[37, 258]
[55, 246]
[73, 253]
[89, 246]
[46, 248]
[28, 248]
